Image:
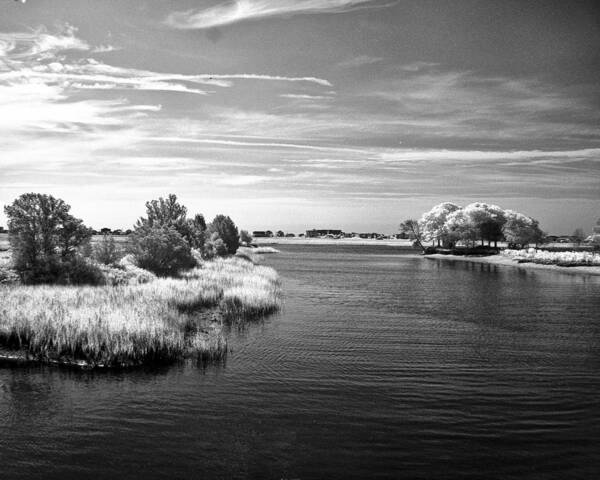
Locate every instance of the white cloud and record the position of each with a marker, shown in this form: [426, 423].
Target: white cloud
[296, 96]
[240, 10]
[105, 49]
[35, 59]
[38, 44]
[444, 155]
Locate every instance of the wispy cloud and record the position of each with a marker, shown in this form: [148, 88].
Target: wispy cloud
[105, 49]
[240, 10]
[427, 102]
[36, 59]
[303, 96]
[359, 61]
[38, 43]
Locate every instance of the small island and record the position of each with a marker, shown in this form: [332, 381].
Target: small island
[162, 294]
[485, 233]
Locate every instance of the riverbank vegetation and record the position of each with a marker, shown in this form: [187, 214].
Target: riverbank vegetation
[449, 229]
[263, 250]
[165, 296]
[562, 259]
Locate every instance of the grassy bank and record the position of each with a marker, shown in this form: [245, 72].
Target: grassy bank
[563, 259]
[163, 320]
[505, 260]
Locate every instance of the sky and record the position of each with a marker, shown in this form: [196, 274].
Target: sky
[297, 114]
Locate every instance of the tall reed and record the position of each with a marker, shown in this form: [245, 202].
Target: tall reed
[160, 321]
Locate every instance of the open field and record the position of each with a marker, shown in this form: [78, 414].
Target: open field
[160, 321]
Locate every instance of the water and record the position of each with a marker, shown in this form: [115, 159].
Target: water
[381, 365]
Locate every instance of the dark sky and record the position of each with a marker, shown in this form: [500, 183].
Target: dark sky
[351, 114]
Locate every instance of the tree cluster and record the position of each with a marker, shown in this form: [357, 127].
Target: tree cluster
[47, 241]
[162, 242]
[447, 224]
[49, 245]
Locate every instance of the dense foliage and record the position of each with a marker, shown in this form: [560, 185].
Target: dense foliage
[106, 252]
[447, 224]
[224, 227]
[161, 250]
[45, 240]
[245, 238]
[49, 245]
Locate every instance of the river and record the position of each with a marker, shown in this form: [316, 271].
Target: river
[380, 365]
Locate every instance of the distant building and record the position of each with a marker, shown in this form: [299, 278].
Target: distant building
[370, 235]
[322, 233]
[1, 229]
[262, 234]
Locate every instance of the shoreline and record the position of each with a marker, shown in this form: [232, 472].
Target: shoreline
[508, 262]
[334, 241]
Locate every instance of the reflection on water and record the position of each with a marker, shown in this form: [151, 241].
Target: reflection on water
[381, 365]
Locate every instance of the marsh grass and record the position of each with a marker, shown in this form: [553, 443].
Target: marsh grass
[160, 321]
[245, 290]
[564, 259]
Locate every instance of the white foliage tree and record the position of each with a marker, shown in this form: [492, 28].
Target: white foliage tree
[488, 220]
[521, 229]
[460, 227]
[433, 222]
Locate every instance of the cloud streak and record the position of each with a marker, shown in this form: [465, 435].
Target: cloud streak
[241, 10]
[37, 59]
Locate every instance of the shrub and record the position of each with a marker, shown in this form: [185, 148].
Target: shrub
[78, 270]
[245, 238]
[8, 275]
[106, 251]
[227, 231]
[162, 250]
[215, 246]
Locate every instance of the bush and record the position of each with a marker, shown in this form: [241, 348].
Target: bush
[8, 275]
[227, 231]
[215, 247]
[80, 271]
[106, 251]
[73, 270]
[245, 238]
[162, 250]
